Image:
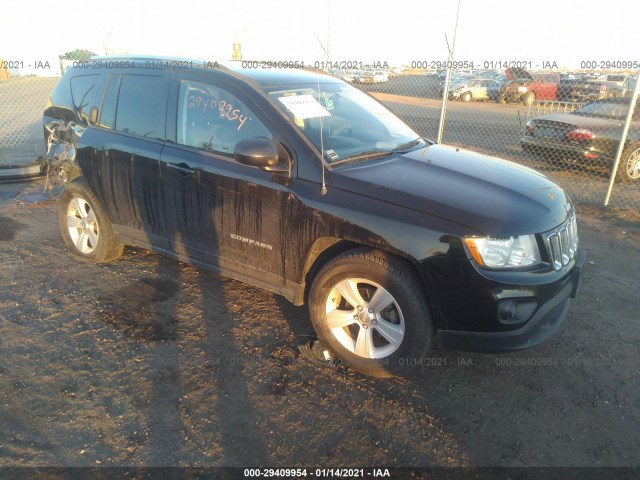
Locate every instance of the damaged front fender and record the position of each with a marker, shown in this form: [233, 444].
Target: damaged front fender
[62, 140]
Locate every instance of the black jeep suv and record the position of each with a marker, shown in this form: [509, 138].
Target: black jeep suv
[301, 184]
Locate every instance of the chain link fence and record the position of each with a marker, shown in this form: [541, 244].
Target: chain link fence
[567, 126]
[22, 101]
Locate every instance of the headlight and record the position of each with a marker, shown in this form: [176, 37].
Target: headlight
[512, 252]
[522, 89]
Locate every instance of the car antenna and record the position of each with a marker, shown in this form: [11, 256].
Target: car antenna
[323, 190]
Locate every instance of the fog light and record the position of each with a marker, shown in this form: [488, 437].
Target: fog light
[515, 310]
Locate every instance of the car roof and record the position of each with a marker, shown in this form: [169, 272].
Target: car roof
[265, 77]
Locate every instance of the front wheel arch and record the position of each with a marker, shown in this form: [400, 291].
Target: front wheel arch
[326, 249]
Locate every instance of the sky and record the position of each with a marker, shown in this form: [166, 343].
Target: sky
[398, 32]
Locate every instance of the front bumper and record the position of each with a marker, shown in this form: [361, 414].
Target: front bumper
[541, 326]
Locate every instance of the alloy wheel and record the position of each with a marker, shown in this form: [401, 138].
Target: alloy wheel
[82, 225]
[364, 318]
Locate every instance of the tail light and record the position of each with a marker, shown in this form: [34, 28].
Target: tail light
[528, 128]
[580, 134]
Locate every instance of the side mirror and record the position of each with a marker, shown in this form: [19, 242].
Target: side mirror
[258, 152]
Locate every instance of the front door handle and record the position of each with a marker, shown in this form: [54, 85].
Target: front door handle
[181, 169]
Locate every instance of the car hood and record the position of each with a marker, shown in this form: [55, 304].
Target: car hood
[517, 73]
[486, 194]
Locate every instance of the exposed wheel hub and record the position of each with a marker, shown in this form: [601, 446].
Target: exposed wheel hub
[363, 317]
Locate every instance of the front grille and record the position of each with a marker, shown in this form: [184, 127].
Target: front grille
[562, 243]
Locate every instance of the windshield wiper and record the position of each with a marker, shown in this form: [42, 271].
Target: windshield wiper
[367, 155]
[410, 144]
[380, 153]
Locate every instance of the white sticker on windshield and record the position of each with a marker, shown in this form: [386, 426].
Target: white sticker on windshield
[304, 106]
[332, 154]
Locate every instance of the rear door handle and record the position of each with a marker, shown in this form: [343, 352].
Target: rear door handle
[181, 169]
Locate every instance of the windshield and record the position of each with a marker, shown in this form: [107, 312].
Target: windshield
[350, 124]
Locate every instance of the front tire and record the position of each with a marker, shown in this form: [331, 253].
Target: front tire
[466, 97]
[85, 227]
[529, 98]
[371, 311]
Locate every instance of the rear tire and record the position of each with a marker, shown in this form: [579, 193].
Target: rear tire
[85, 227]
[369, 308]
[629, 168]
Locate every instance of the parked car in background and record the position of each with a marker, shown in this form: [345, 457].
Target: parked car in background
[366, 77]
[584, 89]
[527, 88]
[478, 88]
[380, 76]
[630, 86]
[346, 75]
[351, 76]
[502, 79]
[398, 70]
[590, 134]
[455, 78]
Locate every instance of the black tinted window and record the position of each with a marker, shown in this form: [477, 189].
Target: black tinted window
[213, 119]
[141, 106]
[86, 91]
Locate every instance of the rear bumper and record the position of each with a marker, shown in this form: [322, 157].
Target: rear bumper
[534, 144]
[541, 326]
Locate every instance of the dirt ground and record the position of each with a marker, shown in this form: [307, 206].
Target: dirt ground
[150, 362]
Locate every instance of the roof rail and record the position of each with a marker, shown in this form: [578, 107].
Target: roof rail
[149, 57]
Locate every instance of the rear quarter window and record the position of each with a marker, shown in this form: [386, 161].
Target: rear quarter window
[86, 92]
[142, 104]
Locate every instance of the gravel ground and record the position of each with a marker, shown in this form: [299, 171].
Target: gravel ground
[150, 362]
